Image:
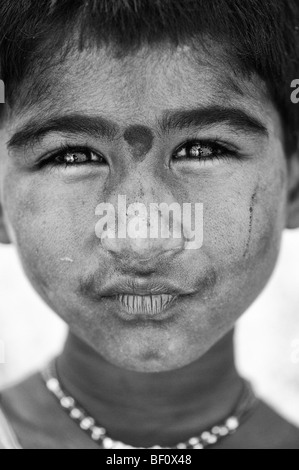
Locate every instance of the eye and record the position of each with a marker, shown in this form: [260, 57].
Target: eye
[202, 151]
[76, 156]
[72, 157]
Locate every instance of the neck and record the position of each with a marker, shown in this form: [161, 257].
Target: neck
[147, 409]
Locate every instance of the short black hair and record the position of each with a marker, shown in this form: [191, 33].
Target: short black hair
[262, 36]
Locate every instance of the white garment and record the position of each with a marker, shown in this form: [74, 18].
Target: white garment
[8, 439]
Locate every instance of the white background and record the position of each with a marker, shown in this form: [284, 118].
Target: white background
[267, 341]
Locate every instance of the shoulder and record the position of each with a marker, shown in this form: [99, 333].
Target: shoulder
[281, 433]
[265, 429]
[15, 409]
[8, 439]
[36, 418]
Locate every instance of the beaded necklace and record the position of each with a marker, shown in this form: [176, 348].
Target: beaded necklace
[98, 434]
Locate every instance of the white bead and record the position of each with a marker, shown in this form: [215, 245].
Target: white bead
[194, 441]
[223, 431]
[212, 440]
[108, 443]
[181, 446]
[97, 433]
[216, 430]
[198, 446]
[209, 438]
[67, 402]
[76, 414]
[232, 424]
[53, 385]
[87, 423]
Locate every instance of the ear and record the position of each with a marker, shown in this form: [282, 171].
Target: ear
[4, 238]
[293, 192]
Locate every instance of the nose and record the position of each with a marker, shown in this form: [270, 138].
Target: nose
[140, 231]
[143, 226]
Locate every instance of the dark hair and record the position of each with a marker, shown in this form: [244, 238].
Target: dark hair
[262, 36]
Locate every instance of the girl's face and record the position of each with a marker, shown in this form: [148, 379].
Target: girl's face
[157, 127]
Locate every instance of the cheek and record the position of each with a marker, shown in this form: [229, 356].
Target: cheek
[53, 228]
[243, 225]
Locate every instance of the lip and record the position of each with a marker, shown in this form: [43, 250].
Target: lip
[143, 287]
[143, 298]
[146, 306]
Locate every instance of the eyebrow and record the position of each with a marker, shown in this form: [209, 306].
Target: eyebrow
[99, 127]
[93, 126]
[213, 115]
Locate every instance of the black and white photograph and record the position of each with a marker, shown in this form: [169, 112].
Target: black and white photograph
[149, 227]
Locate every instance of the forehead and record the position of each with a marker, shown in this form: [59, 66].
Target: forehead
[135, 89]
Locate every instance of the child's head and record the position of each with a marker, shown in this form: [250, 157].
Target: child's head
[174, 101]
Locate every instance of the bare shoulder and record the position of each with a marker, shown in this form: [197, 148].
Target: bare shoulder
[264, 429]
[36, 418]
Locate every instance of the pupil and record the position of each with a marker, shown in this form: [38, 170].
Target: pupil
[75, 157]
[196, 152]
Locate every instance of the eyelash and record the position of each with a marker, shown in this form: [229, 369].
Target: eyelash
[92, 157]
[219, 152]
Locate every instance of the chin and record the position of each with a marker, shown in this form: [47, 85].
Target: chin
[152, 361]
[151, 366]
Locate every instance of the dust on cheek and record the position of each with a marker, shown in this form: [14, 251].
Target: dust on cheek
[265, 223]
[251, 212]
[44, 239]
[242, 227]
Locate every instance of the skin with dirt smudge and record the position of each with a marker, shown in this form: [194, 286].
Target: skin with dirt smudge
[49, 211]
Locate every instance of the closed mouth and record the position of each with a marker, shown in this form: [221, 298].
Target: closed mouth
[147, 305]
